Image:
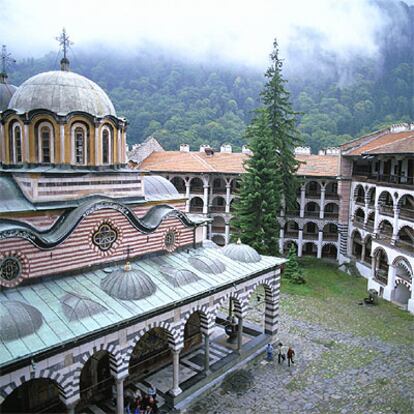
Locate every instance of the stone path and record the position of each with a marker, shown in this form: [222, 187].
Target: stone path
[334, 372]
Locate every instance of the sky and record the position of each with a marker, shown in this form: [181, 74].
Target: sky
[228, 30]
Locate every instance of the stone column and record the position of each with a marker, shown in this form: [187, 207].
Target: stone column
[395, 225]
[187, 195]
[3, 144]
[176, 373]
[71, 404]
[96, 149]
[388, 290]
[373, 266]
[319, 251]
[205, 199]
[322, 201]
[302, 201]
[240, 334]
[281, 239]
[62, 143]
[376, 220]
[300, 242]
[206, 354]
[228, 187]
[363, 251]
[227, 233]
[120, 396]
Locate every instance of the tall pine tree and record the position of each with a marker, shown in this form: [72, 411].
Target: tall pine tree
[270, 178]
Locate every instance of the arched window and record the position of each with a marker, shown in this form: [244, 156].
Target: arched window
[80, 147]
[17, 138]
[106, 145]
[45, 143]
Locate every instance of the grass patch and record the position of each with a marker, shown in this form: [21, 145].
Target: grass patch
[331, 298]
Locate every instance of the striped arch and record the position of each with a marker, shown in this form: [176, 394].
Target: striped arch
[271, 303]
[54, 376]
[207, 320]
[240, 304]
[116, 367]
[173, 334]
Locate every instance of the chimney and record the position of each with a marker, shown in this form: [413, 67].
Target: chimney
[184, 148]
[203, 147]
[246, 150]
[226, 148]
[302, 151]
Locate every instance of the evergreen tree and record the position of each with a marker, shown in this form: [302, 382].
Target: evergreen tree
[282, 124]
[270, 172]
[293, 272]
[255, 217]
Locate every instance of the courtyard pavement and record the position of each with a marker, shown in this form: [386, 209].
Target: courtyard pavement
[337, 369]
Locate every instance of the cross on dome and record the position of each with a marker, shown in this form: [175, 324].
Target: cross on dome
[5, 60]
[65, 42]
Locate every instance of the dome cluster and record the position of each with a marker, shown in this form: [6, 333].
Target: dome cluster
[241, 253]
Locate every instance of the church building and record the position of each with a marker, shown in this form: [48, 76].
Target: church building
[106, 284]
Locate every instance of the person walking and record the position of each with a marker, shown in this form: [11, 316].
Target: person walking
[269, 352]
[280, 354]
[290, 355]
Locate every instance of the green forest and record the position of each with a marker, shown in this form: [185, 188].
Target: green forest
[180, 101]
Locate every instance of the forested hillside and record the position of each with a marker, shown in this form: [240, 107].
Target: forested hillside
[185, 102]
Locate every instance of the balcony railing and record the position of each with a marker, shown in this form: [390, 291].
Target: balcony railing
[331, 196]
[385, 178]
[292, 234]
[404, 245]
[311, 213]
[407, 214]
[196, 209]
[386, 210]
[218, 229]
[312, 194]
[370, 225]
[331, 214]
[196, 190]
[330, 236]
[218, 209]
[310, 236]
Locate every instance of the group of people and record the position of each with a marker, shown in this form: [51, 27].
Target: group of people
[142, 403]
[281, 355]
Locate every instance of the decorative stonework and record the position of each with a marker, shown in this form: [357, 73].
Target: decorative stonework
[13, 268]
[171, 239]
[105, 237]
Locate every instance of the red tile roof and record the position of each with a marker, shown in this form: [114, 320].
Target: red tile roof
[381, 143]
[231, 163]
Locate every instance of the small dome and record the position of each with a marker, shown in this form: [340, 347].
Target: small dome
[76, 306]
[18, 319]
[206, 265]
[241, 253]
[6, 92]
[178, 277]
[61, 92]
[209, 244]
[128, 284]
[159, 188]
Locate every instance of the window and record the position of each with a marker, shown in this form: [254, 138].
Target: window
[17, 135]
[10, 268]
[79, 145]
[104, 237]
[106, 150]
[45, 145]
[170, 240]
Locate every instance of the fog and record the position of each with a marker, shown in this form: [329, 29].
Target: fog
[227, 31]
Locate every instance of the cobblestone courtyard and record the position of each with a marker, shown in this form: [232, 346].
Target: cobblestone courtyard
[350, 358]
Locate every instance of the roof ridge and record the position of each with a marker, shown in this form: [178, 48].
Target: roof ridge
[397, 139]
[202, 161]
